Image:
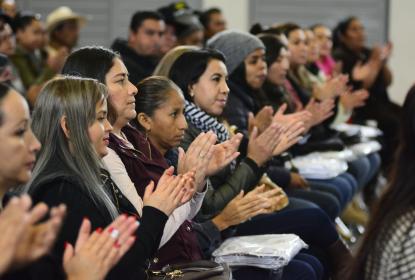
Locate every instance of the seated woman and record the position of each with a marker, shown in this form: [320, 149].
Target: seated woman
[70, 121]
[25, 239]
[367, 69]
[386, 249]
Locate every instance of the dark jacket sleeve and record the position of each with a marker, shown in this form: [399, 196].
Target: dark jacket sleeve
[79, 205]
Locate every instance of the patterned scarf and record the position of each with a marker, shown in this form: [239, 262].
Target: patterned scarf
[204, 122]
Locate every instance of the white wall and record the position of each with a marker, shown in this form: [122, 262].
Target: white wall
[401, 32]
[236, 12]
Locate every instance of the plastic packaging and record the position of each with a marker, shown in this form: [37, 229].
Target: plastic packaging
[270, 251]
[315, 166]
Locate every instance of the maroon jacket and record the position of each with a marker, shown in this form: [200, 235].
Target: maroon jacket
[183, 246]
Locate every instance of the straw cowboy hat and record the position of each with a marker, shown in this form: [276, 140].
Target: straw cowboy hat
[62, 14]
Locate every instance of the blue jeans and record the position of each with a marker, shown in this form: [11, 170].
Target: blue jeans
[311, 224]
[320, 198]
[302, 267]
[343, 187]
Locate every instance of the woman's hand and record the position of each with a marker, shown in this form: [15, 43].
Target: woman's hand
[261, 147]
[14, 219]
[355, 99]
[197, 158]
[274, 197]
[95, 254]
[320, 111]
[262, 120]
[240, 209]
[290, 136]
[331, 88]
[38, 238]
[287, 119]
[223, 154]
[24, 240]
[171, 192]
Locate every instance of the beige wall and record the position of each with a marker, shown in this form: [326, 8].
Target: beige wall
[402, 34]
[236, 12]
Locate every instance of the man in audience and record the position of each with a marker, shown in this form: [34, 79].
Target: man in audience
[63, 26]
[213, 22]
[142, 50]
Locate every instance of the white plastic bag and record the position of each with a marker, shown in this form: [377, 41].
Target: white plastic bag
[270, 251]
[365, 131]
[315, 166]
[366, 148]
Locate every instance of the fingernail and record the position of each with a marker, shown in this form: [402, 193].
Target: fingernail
[125, 215]
[86, 218]
[117, 245]
[99, 230]
[110, 229]
[137, 223]
[66, 244]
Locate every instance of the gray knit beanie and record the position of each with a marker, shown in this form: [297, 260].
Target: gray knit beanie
[235, 45]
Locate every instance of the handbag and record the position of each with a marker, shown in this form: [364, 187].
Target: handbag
[196, 270]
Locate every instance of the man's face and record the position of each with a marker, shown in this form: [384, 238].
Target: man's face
[68, 34]
[147, 39]
[217, 23]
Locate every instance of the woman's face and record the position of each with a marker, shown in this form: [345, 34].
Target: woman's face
[18, 143]
[7, 44]
[355, 36]
[121, 93]
[210, 93]
[324, 40]
[100, 129]
[277, 72]
[297, 47]
[256, 68]
[168, 123]
[313, 52]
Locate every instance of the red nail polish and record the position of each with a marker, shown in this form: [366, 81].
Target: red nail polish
[99, 230]
[66, 244]
[110, 229]
[117, 245]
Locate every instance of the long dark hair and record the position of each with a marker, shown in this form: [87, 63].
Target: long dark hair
[399, 197]
[4, 90]
[273, 47]
[188, 68]
[92, 62]
[340, 30]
